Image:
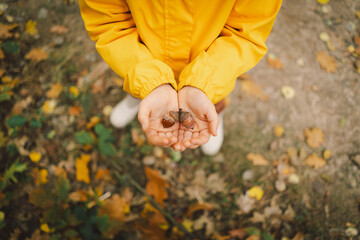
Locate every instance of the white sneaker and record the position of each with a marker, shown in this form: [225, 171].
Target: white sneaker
[125, 111]
[212, 147]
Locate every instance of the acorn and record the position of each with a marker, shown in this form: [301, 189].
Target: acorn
[170, 119]
[186, 119]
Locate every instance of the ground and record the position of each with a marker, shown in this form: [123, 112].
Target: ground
[288, 169]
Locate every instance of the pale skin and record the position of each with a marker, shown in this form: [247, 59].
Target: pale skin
[164, 99]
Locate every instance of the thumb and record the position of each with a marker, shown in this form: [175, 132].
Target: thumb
[144, 116]
[213, 119]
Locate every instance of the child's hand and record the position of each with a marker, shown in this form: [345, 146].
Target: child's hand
[153, 107]
[205, 118]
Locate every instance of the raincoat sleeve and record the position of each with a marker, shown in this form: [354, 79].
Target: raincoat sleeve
[239, 47]
[111, 26]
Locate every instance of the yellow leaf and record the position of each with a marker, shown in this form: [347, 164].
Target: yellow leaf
[327, 154]
[36, 54]
[256, 192]
[357, 14]
[251, 89]
[82, 170]
[257, 159]
[156, 185]
[278, 131]
[187, 223]
[323, 1]
[55, 90]
[43, 176]
[35, 156]
[326, 62]
[49, 106]
[314, 137]
[39, 176]
[315, 161]
[30, 27]
[74, 91]
[93, 121]
[45, 228]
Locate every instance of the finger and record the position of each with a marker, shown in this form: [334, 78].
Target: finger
[155, 139]
[187, 138]
[213, 119]
[202, 138]
[144, 116]
[180, 136]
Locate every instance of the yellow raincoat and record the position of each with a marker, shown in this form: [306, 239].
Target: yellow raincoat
[206, 44]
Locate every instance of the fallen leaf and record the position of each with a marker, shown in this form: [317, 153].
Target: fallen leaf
[74, 91]
[274, 61]
[58, 29]
[49, 106]
[5, 30]
[21, 105]
[314, 137]
[245, 203]
[278, 131]
[82, 170]
[204, 222]
[256, 192]
[156, 185]
[326, 154]
[114, 208]
[75, 110]
[288, 92]
[326, 62]
[35, 156]
[257, 218]
[197, 207]
[238, 233]
[323, 1]
[30, 27]
[93, 121]
[187, 223]
[251, 89]
[2, 55]
[324, 37]
[102, 173]
[107, 110]
[299, 236]
[40, 176]
[257, 159]
[37, 55]
[55, 90]
[315, 161]
[78, 196]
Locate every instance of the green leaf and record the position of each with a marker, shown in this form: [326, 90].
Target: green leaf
[2, 216]
[62, 187]
[16, 121]
[106, 148]
[11, 46]
[103, 133]
[80, 213]
[267, 236]
[253, 231]
[35, 123]
[5, 97]
[103, 223]
[84, 137]
[16, 167]
[70, 233]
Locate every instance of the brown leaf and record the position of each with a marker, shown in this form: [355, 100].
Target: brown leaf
[238, 233]
[314, 137]
[78, 196]
[274, 62]
[55, 90]
[5, 30]
[326, 62]
[251, 89]
[2, 55]
[36, 54]
[198, 206]
[58, 29]
[257, 159]
[298, 236]
[102, 173]
[75, 110]
[21, 105]
[156, 185]
[315, 161]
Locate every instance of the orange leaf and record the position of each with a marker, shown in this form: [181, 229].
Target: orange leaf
[58, 29]
[75, 110]
[238, 233]
[114, 207]
[315, 161]
[156, 185]
[55, 90]
[251, 89]
[102, 173]
[326, 62]
[93, 121]
[82, 170]
[257, 159]
[2, 55]
[274, 62]
[36, 54]
[199, 206]
[5, 30]
[314, 137]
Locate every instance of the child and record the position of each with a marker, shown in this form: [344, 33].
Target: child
[178, 54]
